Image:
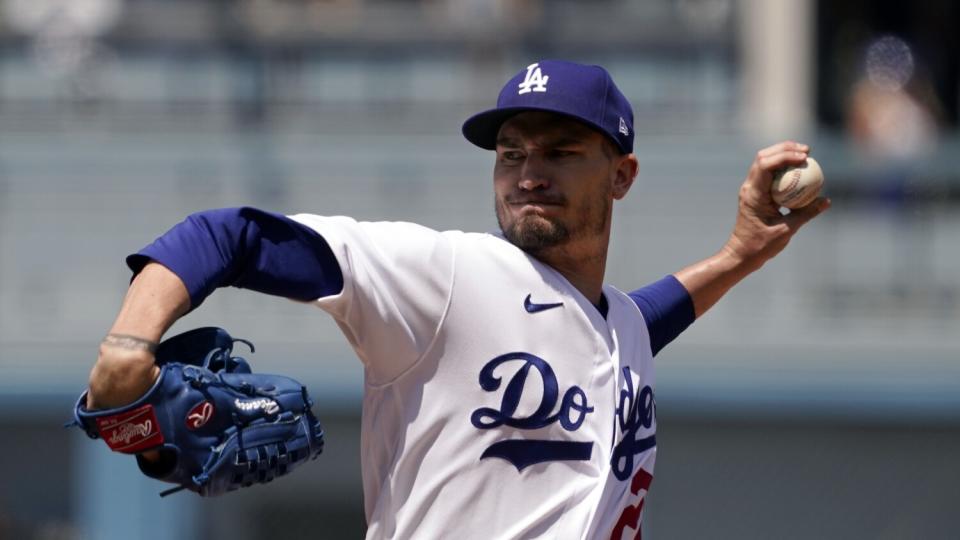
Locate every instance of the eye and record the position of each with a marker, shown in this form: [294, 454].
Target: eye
[559, 153]
[511, 155]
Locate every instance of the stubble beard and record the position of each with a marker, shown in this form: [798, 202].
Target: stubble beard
[535, 233]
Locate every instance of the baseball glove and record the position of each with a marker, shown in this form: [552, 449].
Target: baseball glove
[216, 425]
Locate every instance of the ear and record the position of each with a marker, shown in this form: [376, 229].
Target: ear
[624, 175]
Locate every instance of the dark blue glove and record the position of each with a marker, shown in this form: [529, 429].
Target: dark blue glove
[216, 426]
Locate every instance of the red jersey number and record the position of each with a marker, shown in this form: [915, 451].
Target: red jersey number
[630, 517]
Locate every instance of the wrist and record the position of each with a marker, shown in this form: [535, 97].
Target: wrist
[120, 376]
[734, 255]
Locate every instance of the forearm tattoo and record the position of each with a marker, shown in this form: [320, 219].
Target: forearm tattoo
[133, 343]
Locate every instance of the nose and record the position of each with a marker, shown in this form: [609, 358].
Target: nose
[533, 174]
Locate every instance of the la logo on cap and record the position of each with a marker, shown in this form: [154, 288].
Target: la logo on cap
[535, 81]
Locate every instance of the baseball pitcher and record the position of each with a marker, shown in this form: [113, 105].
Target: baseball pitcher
[508, 392]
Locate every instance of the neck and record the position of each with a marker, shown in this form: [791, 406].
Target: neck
[582, 265]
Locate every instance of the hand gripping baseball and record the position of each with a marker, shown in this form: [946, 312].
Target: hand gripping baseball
[216, 425]
[761, 231]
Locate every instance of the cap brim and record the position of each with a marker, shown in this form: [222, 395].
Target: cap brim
[482, 128]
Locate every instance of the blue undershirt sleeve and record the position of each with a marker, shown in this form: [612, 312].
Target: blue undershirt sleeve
[246, 248]
[668, 309]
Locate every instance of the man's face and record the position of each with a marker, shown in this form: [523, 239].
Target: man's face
[554, 181]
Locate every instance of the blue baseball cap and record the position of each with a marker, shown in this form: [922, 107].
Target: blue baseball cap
[582, 92]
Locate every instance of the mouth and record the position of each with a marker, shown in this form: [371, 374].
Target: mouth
[533, 207]
[534, 203]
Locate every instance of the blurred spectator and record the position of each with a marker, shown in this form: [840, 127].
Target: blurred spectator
[892, 118]
[887, 121]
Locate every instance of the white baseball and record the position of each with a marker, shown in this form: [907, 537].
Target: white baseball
[797, 186]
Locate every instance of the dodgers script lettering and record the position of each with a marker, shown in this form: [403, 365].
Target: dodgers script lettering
[635, 414]
[572, 411]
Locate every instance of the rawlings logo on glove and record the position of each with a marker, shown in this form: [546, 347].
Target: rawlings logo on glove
[200, 415]
[130, 432]
[216, 426]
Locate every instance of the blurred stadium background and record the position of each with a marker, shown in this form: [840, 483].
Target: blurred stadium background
[821, 399]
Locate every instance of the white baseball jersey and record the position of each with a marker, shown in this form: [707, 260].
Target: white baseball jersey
[498, 401]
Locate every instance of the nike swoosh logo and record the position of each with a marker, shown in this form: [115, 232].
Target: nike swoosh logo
[534, 308]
